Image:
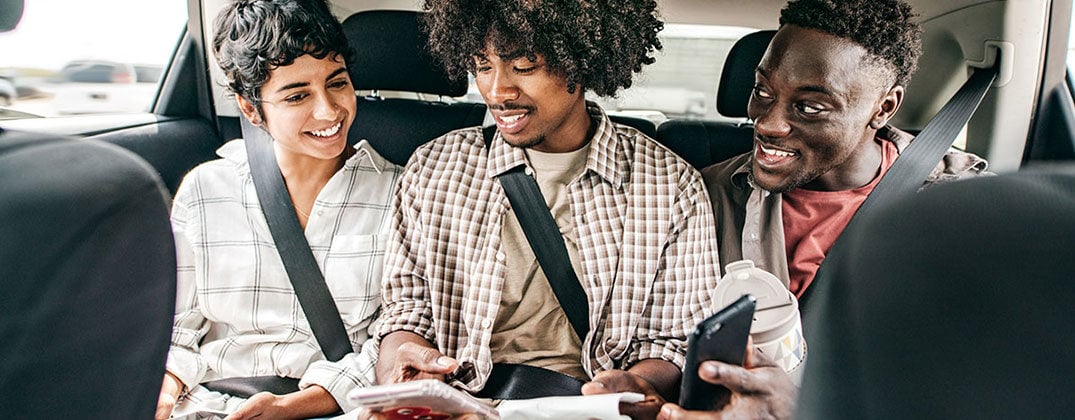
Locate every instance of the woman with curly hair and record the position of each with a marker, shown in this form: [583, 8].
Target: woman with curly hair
[464, 297]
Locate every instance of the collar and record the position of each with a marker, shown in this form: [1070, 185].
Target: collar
[607, 157]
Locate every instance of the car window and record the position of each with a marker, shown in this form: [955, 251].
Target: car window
[71, 57]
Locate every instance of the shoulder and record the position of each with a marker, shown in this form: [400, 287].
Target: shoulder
[216, 177]
[649, 157]
[719, 176]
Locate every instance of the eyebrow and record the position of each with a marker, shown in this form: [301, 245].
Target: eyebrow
[807, 88]
[304, 84]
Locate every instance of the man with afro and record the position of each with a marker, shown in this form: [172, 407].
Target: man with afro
[832, 77]
[464, 295]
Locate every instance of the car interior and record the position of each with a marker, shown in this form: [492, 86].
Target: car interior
[1027, 118]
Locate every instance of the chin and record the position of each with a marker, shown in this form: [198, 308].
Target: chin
[523, 142]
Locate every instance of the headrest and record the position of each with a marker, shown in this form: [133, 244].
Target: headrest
[737, 79]
[10, 14]
[391, 54]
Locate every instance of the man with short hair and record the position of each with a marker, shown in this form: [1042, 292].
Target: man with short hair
[832, 77]
[462, 285]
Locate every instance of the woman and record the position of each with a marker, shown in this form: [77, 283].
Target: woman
[236, 313]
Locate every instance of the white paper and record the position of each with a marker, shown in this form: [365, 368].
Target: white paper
[586, 407]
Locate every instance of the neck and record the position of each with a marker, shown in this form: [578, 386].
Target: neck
[306, 172]
[858, 170]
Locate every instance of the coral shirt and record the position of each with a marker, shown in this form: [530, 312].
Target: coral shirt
[814, 219]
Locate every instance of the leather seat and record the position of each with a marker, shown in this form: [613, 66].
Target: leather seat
[391, 54]
[703, 143]
[87, 279]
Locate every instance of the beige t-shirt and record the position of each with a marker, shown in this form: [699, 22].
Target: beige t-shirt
[531, 327]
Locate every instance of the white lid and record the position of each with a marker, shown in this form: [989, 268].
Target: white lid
[776, 310]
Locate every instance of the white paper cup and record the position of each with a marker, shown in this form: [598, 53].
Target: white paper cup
[777, 329]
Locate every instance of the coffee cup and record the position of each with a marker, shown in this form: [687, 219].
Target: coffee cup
[777, 329]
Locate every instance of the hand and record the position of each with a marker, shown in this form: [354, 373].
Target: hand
[414, 361]
[170, 390]
[613, 381]
[761, 390]
[313, 401]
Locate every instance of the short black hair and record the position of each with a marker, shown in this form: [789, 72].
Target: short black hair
[596, 44]
[885, 28]
[253, 37]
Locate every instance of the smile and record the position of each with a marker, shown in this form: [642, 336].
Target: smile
[328, 132]
[768, 156]
[511, 123]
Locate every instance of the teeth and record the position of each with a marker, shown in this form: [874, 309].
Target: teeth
[512, 118]
[328, 131]
[775, 152]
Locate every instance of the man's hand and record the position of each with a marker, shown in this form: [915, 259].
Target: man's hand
[408, 357]
[762, 390]
[313, 401]
[170, 390]
[613, 381]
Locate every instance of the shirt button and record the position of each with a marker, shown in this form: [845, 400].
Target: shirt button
[500, 256]
[320, 212]
[528, 171]
[486, 323]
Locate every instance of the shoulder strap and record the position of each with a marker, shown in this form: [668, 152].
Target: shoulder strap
[914, 165]
[287, 234]
[544, 237]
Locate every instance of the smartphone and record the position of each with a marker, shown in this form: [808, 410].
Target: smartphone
[721, 337]
[419, 400]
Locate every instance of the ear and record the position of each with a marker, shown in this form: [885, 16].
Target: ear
[249, 110]
[890, 103]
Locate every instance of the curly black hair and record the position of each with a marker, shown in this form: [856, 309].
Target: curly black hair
[253, 37]
[885, 28]
[596, 44]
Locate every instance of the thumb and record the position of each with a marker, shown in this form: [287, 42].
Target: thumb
[428, 359]
[735, 378]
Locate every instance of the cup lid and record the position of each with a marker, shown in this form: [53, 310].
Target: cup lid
[776, 308]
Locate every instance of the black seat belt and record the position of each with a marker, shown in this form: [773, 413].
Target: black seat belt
[545, 240]
[290, 240]
[509, 381]
[912, 167]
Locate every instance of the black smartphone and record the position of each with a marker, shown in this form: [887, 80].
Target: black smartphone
[722, 337]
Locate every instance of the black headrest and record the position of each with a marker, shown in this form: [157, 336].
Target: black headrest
[10, 14]
[737, 79]
[391, 53]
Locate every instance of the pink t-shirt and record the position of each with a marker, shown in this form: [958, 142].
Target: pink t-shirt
[814, 219]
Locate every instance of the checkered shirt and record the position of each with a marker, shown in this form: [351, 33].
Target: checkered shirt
[236, 312]
[645, 234]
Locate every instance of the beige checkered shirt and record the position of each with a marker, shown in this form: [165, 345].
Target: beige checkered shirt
[645, 234]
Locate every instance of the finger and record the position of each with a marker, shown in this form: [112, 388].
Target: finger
[426, 359]
[735, 378]
[671, 411]
[755, 358]
[595, 387]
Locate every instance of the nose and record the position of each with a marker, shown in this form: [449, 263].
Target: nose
[770, 121]
[325, 107]
[502, 88]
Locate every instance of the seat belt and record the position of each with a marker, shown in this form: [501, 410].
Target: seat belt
[299, 263]
[545, 240]
[912, 167]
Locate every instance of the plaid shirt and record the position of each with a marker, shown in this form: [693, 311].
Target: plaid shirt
[645, 234]
[236, 312]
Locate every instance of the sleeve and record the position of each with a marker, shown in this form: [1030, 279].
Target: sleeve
[355, 370]
[404, 291]
[189, 326]
[689, 271]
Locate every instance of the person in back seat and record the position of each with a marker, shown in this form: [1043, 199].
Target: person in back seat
[832, 77]
[237, 315]
[463, 289]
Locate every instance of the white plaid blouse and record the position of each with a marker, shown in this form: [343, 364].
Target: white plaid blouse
[645, 234]
[236, 312]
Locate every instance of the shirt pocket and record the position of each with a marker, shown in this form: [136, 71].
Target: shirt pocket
[353, 274]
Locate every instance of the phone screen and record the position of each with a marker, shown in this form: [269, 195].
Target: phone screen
[722, 337]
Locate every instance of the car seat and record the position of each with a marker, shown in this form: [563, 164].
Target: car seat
[391, 54]
[955, 303]
[703, 143]
[87, 279]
